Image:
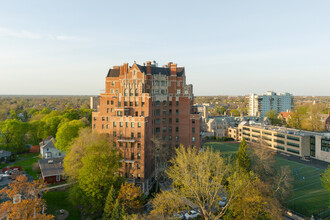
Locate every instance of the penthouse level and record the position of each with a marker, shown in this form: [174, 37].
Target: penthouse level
[291, 141]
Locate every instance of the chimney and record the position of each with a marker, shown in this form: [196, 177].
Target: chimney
[169, 65]
[173, 69]
[148, 67]
[43, 141]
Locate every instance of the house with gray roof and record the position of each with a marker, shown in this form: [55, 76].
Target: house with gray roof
[52, 170]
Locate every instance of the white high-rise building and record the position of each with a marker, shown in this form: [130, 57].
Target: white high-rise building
[260, 104]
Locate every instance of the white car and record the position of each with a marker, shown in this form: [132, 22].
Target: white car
[191, 214]
[223, 201]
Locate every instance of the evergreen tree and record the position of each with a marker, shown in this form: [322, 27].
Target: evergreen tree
[109, 203]
[242, 157]
[118, 211]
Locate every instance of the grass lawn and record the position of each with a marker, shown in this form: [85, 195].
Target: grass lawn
[26, 161]
[308, 195]
[57, 200]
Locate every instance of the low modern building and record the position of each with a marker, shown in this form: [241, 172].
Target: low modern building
[48, 149]
[291, 141]
[218, 125]
[259, 105]
[52, 170]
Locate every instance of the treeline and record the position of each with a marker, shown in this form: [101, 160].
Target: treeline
[16, 133]
[308, 117]
[22, 105]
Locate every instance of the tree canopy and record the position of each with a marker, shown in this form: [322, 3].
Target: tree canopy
[92, 163]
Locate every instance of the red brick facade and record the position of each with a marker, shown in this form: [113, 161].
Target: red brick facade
[142, 102]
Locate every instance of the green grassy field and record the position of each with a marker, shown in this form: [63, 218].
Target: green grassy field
[308, 195]
[26, 161]
[57, 200]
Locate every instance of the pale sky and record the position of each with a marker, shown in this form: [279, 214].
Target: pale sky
[231, 47]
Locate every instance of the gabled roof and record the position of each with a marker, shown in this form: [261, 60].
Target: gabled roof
[49, 143]
[51, 167]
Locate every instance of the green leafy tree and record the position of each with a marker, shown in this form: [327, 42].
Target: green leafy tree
[13, 135]
[198, 178]
[66, 133]
[235, 112]
[91, 164]
[242, 157]
[272, 116]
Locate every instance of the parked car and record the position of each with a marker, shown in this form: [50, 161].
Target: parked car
[191, 214]
[223, 201]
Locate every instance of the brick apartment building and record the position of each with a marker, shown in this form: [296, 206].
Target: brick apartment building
[143, 102]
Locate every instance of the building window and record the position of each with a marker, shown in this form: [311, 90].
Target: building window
[170, 103]
[132, 124]
[139, 124]
[107, 126]
[157, 103]
[157, 130]
[176, 138]
[170, 120]
[170, 137]
[119, 113]
[132, 156]
[107, 118]
[170, 112]
[142, 113]
[176, 129]
[177, 120]
[164, 112]
[120, 144]
[132, 145]
[136, 104]
[138, 144]
[103, 119]
[193, 121]
[107, 102]
[94, 126]
[164, 130]
[193, 130]
[138, 176]
[126, 92]
[177, 103]
[131, 104]
[138, 166]
[142, 104]
[178, 91]
[125, 103]
[58, 178]
[138, 156]
[164, 103]
[111, 102]
[193, 139]
[132, 135]
[136, 92]
[139, 134]
[112, 83]
[121, 124]
[170, 130]
[107, 110]
[164, 121]
[177, 111]
[114, 134]
[157, 112]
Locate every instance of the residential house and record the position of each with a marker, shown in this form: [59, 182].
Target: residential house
[52, 170]
[48, 149]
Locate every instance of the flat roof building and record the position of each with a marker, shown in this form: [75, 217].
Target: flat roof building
[259, 105]
[292, 141]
